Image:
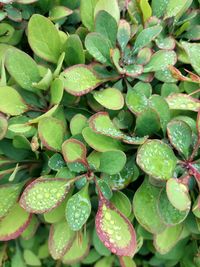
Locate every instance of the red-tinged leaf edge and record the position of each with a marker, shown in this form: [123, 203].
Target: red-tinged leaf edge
[91, 122]
[150, 54]
[135, 74]
[34, 229]
[86, 91]
[126, 251]
[18, 232]
[177, 74]
[51, 244]
[185, 96]
[84, 154]
[172, 47]
[41, 180]
[79, 259]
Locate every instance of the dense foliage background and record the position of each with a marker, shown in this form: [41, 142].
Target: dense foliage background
[99, 133]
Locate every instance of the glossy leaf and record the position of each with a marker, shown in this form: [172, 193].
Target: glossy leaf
[103, 98]
[109, 222]
[31, 229]
[11, 229]
[145, 207]
[77, 124]
[157, 159]
[178, 195]
[60, 240]
[49, 192]
[8, 197]
[111, 7]
[43, 38]
[74, 151]
[78, 251]
[87, 13]
[168, 213]
[122, 203]
[146, 36]
[123, 34]
[180, 136]
[51, 132]
[183, 102]
[136, 101]
[112, 162]
[59, 12]
[11, 102]
[106, 25]
[78, 209]
[22, 68]
[79, 80]
[100, 142]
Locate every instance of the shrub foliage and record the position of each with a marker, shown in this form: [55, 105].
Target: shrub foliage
[99, 133]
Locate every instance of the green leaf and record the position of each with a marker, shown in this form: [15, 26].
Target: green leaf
[11, 229]
[87, 13]
[99, 47]
[160, 105]
[127, 262]
[178, 194]
[78, 251]
[168, 213]
[112, 162]
[109, 221]
[98, 245]
[80, 80]
[56, 162]
[106, 25]
[77, 124]
[61, 238]
[147, 122]
[44, 194]
[100, 142]
[22, 68]
[11, 101]
[146, 9]
[144, 56]
[105, 262]
[159, 7]
[180, 136]
[8, 197]
[31, 259]
[123, 34]
[136, 101]
[183, 102]
[74, 151]
[174, 8]
[56, 91]
[78, 209]
[105, 189]
[43, 38]
[6, 32]
[166, 240]
[45, 82]
[146, 36]
[29, 232]
[157, 159]
[74, 53]
[111, 7]
[102, 124]
[161, 60]
[192, 50]
[59, 12]
[122, 203]
[145, 207]
[3, 126]
[51, 132]
[133, 70]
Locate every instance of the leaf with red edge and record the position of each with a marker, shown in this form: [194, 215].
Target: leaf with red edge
[198, 123]
[31, 229]
[61, 238]
[74, 151]
[44, 194]
[115, 230]
[14, 223]
[80, 79]
[79, 249]
[183, 102]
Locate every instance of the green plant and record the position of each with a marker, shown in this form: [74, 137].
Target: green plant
[99, 106]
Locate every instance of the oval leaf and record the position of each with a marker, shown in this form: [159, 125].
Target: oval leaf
[11, 229]
[109, 224]
[80, 80]
[157, 159]
[44, 194]
[78, 209]
[183, 102]
[11, 102]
